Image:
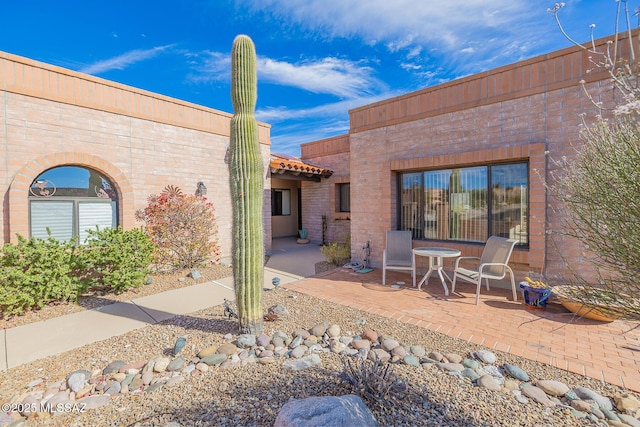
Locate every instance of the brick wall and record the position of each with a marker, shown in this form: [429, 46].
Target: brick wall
[529, 111]
[319, 199]
[141, 141]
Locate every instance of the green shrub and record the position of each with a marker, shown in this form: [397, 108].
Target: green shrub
[35, 272]
[337, 253]
[116, 260]
[183, 228]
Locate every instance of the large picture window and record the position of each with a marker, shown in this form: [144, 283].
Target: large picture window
[69, 200]
[466, 204]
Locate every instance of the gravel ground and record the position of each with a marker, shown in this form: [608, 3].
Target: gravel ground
[251, 395]
[160, 283]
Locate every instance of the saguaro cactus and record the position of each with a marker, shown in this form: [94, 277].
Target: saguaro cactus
[246, 175]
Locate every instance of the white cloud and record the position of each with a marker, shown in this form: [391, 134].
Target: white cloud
[334, 76]
[121, 62]
[278, 114]
[445, 26]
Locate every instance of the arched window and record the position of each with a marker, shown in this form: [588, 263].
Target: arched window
[68, 200]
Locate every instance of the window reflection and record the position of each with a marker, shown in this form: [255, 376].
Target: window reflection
[72, 181]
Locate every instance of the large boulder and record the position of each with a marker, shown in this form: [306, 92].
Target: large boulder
[325, 411]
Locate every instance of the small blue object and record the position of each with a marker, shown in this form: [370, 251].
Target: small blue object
[364, 270]
[179, 345]
[275, 281]
[535, 298]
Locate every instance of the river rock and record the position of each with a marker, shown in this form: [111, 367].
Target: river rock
[389, 344]
[358, 344]
[214, 359]
[113, 367]
[470, 363]
[278, 310]
[76, 382]
[113, 387]
[516, 372]
[147, 377]
[138, 364]
[434, 355]
[450, 367]
[399, 352]
[118, 376]
[94, 401]
[347, 410]
[302, 333]
[487, 381]
[303, 363]
[227, 348]
[581, 405]
[136, 384]
[538, 395]
[485, 356]
[333, 331]
[212, 349]
[629, 420]
[337, 347]
[469, 373]
[263, 340]
[246, 341]
[154, 387]
[453, 357]
[59, 397]
[299, 351]
[588, 394]
[161, 364]
[626, 403]
[411, 360]
[319, 329]
[378, 353]
[418, 350]
[552, 387]
[369, 335]
[176, 364]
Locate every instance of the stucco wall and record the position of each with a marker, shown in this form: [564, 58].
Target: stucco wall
[142, 141]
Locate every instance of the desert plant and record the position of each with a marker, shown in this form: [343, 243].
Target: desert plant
[375, 381]
[246, 172]
[183, 228]
[116, 260]
[600, 185]
[337, 253]
[302, 233]
[35, 272]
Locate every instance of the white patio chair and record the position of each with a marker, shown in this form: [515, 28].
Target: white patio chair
[397, 254]
[493, 264]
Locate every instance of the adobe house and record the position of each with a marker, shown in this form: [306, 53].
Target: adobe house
[80, 151]
[458, 162]
[287, 174]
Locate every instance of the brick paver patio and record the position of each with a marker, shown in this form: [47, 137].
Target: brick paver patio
[606, 351]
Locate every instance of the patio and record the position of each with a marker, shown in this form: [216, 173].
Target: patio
[605, 351]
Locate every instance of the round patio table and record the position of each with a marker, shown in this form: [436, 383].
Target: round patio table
[435, 263]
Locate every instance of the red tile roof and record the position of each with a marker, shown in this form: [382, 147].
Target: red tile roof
[281, 163]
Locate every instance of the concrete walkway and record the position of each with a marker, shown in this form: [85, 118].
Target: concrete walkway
[34, 341]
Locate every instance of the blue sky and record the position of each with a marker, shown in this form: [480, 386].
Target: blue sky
[317, 59]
